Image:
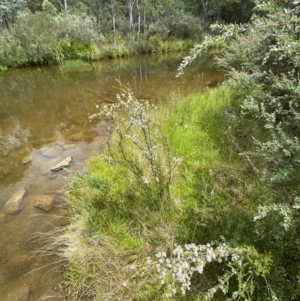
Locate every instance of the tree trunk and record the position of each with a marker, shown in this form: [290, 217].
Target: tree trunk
[130, 7]
[139, 23]
[113, 16]
[4, 18]
[144, 20]
[66, 6]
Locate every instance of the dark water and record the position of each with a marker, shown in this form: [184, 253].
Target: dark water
[44, 119]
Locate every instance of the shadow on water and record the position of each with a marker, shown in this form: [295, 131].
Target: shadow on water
[44, 119]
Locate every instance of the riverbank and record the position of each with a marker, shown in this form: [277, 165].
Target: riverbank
[42, 39]
[171, 175]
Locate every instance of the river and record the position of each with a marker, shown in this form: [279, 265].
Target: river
[44, 119]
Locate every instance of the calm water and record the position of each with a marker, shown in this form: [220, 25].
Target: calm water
[43, 119]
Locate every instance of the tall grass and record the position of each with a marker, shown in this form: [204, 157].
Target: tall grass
[115, 230]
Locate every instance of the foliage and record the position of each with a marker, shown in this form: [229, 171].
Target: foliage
[45, 39]
[90, 23]
[11, 11]
[209, 194]
[192, 260]
[136, 169]
[228, 11]
[141, 148]
[262, 63]
[48, 7]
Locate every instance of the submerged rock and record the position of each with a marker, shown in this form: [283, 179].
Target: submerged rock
[98, 143]
[26, 160]
[54, 150]
[15, 204]
[44, 202]
[46, 167]
[52, 175]
[16, 294]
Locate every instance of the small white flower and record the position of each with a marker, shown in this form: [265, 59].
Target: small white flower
[133, 267]
[145, 180]
[177, 161]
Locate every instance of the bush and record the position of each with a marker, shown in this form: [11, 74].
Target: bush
[45, 39]
[263, 66]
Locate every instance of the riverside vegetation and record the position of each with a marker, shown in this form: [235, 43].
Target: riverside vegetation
[43, 32]
[198, 199]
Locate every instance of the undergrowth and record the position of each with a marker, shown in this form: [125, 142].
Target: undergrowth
[170, 176]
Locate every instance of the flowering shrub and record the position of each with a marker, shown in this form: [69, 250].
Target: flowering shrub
[242, 266]
[138, 143]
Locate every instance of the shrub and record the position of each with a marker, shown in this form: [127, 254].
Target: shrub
[263, 64]
[140, 146]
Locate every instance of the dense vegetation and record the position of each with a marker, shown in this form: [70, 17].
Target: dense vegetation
[35, 32]
[199, 199]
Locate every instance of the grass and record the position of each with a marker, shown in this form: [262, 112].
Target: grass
[113, 229]
[3, 68]
[73, 64]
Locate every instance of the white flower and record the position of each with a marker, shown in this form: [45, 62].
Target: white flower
[177, 161]
[145, 180]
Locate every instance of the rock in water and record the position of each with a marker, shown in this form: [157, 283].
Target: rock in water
[62, 164]
[44, 202]
[26, 160]
[15, 204]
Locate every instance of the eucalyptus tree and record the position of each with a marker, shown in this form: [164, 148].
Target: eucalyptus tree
[11, 11]
[208, 11]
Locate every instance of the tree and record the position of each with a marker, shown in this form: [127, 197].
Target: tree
[48, 7]
[11, 10]
[228, 11]
[34, 5]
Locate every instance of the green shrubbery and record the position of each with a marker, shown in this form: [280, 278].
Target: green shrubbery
[168, 176]
[262, 64]
[44, 39]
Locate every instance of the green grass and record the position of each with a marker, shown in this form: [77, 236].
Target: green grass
[113, 228]
[2, 68]
[73, 64]
[215, 186]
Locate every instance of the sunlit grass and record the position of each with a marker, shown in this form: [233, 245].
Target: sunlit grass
[113, 227]
[73, 64]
